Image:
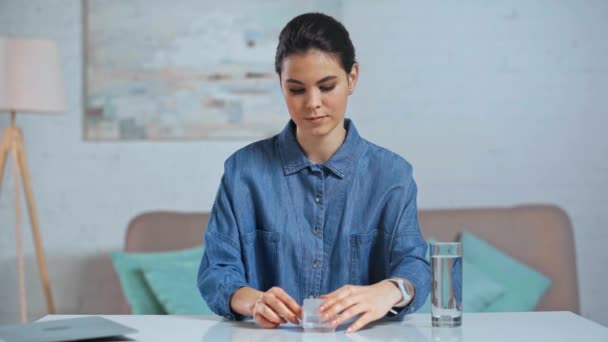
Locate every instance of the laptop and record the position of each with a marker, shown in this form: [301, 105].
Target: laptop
[68, 329]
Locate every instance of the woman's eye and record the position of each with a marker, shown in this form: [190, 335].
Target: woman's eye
[326, 89]
[296, 91]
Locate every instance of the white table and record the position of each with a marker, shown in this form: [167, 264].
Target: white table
[525, 326]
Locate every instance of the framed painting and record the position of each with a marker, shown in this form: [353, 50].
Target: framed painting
[185, 69]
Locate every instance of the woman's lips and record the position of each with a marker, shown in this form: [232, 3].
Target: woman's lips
[316, 119]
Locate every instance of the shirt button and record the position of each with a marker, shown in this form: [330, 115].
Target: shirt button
[316, 231]
[317, 199]
[315, 264]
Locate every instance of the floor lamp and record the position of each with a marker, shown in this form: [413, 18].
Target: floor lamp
[31, 82]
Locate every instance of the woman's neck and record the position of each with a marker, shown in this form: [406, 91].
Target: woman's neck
[319, 149]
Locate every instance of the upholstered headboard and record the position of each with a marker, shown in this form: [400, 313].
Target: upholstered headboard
[538, 235]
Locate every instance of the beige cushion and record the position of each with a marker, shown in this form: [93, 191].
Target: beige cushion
[165, 230]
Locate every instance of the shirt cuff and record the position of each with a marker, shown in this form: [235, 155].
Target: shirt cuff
[228, 291]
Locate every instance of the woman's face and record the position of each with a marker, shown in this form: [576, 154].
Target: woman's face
[316, 89]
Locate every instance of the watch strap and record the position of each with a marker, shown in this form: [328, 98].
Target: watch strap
[406, 296]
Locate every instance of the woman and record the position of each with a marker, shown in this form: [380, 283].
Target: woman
[315, 211]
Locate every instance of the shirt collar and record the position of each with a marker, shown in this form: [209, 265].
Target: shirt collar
[340, 163]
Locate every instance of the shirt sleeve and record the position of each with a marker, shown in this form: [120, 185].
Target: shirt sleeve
[221, 272]
[408, 250]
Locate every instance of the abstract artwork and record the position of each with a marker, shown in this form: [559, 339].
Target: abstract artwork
[185, 69]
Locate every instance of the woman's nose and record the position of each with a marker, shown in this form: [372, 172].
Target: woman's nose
[313, 100]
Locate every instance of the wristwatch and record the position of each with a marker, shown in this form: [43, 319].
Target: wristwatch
[407, 296]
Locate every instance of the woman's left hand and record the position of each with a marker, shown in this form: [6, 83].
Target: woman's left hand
[372, 302]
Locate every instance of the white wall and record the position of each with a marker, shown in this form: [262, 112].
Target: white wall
[493, 103]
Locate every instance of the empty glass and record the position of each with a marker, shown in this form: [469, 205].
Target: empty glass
[311, 320]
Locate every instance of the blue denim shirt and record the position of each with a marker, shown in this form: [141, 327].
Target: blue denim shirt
[280, 220]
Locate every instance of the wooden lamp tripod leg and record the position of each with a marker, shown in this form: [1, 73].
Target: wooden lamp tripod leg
[8, 146]
[5, 147]
[25, 175]
[19, 238]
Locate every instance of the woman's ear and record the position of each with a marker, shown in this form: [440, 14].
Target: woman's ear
[353, 76]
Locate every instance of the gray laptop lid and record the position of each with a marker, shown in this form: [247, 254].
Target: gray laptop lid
[69, 329]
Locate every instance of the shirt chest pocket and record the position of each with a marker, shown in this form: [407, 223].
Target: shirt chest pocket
[368, 253]
[260, 258]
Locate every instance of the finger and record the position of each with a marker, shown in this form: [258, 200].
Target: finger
[269, 314]
[291, 304]
[340, 306]
[360, 323]
[264, 323]
[281, 309]
[348, 314]
[340, 294]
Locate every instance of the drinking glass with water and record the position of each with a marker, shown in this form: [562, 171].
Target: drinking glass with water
[446, 284]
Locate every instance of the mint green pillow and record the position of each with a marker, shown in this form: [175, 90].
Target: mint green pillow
[478, 290]
[524, 285]
[175, 288]
[129, 268]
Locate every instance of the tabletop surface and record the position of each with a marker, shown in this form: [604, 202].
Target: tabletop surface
[517, 326]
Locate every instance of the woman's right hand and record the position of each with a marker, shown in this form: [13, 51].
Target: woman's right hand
[275, 307]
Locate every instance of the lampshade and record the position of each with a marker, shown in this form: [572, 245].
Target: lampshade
[30, 76]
